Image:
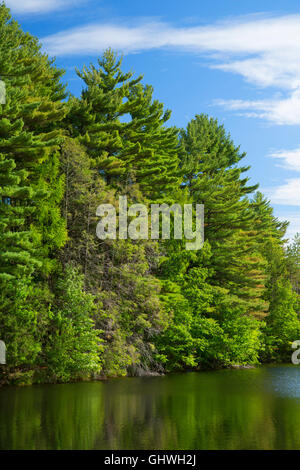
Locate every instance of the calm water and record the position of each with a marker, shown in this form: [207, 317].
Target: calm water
[231, 409]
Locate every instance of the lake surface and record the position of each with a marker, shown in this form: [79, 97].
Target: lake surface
[228, 409]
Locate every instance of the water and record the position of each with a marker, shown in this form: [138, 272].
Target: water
[230, 409]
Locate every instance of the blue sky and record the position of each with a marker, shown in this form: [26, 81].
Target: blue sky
[238, 61]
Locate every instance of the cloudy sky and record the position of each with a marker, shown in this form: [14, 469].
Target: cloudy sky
[236, 60]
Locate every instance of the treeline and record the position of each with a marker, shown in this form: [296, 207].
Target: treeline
[73, 306]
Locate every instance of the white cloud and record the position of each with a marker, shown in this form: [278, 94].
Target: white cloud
[290, 159]
[264, 51]
[284, 111]
[38, 6]
[294, 226]
[287, 194]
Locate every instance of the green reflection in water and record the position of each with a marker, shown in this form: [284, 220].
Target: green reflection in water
[230, 409]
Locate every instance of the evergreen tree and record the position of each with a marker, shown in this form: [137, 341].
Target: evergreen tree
[130, 150]
[71, 305]
[31, 227]
[123, 129]
[117, 273]
[211, 172]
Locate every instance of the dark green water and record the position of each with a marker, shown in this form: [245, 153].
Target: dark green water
[231, 409]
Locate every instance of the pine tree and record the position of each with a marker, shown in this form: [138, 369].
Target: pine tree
[123, 129]
[31, 227]
[210, 163]
[133, 153]
[117, 273]
[219, 286]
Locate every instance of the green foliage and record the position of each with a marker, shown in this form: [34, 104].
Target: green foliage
[123, 129]
[293, 263]
[208, 327]
[73, 346]
[19, 324]
[133, 312]
[283, 326]
[31, 227]
[74, 306]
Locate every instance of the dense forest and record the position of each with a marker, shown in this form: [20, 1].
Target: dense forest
[73, 306]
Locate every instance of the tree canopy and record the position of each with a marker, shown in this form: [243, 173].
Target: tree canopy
[73, 306]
